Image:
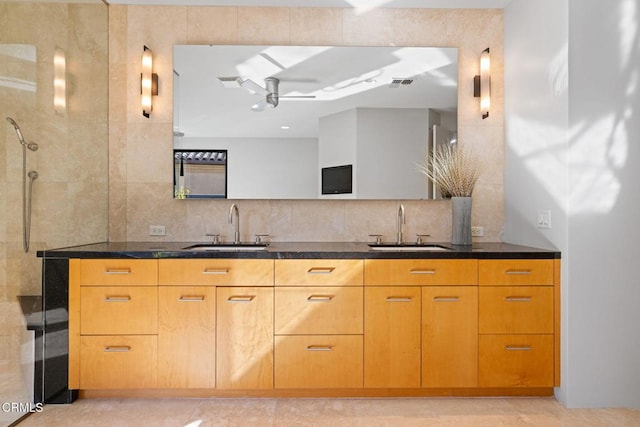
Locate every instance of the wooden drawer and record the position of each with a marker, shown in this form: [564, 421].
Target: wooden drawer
[118, 362]
[219, 271]
[118, 272]
[318, 272]
[319, 361]
[319, 310]
[516, 361]
[119, 311]
[389, 272]
[516, 310]
[515, 272]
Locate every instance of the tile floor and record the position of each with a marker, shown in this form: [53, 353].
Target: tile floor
[328, 412]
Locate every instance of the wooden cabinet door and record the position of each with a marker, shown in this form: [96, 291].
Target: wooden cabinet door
[450, 336]
[244, 332]
[392, 336]
[186, 337]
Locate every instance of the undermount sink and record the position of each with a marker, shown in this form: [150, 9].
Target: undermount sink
[227, 247]
[408, 247]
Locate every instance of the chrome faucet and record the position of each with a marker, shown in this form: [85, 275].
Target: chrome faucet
[400, 222]
[232, 211]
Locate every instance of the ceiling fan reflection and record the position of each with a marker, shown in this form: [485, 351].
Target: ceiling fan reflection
[270, 92]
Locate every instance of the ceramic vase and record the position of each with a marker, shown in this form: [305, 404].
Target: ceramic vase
[461, 225]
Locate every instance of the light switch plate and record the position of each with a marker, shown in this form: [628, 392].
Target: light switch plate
[156, 230]
[477, 231]
[544, 218]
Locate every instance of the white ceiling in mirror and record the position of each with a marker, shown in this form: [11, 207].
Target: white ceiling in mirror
[218, 85]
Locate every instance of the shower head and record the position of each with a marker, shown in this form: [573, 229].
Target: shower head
[17, 128]
[32, 145]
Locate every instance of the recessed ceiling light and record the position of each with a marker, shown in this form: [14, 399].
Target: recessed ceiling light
[285, 127]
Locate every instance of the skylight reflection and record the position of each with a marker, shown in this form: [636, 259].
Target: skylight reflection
[364, 6]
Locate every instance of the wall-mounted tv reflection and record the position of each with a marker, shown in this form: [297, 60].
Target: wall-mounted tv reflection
[337, 179]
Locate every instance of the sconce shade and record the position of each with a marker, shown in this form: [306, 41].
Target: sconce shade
[148, 82]
[482, 83]
[59, 81]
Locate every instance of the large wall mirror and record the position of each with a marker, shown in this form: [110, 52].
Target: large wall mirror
[310, 122]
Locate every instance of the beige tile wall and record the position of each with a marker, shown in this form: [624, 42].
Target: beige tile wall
[140, 176]
[70, 194]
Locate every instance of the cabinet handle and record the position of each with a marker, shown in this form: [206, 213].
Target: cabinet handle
[124, 298]
[216, 271]
[319, 348]
[117, 271]
[117, 349]
[191, 298]
[517, 347]
[446, 299]
[517, 272]
[241, 298]
[419, 271]
[399, 299]
[320, 298]
[517, 299]
[321, 270]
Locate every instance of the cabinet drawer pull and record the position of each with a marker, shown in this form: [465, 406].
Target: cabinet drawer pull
[216, 271]
[517, 272]
[117, 349]
[191, 298]
[320, 298]
[399, 299]
[517, 299]
[419, 271]
[241, 298]
[123, 298]
[320, 270]
[517, 347]
[319, 348]
[117, 271]
[446, 299]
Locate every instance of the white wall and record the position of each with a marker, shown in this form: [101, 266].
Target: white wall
[264, 167]
[586, 173]
[391, 141]
[337, 146]
[536, 133]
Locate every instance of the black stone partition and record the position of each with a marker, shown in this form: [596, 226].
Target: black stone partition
[54, 362]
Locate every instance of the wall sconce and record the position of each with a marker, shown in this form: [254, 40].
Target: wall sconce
[59, 81]
[148, 81]
[482, 83]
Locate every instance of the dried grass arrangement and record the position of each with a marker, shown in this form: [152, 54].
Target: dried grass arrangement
[453, 170]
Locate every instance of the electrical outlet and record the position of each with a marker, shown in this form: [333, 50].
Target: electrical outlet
[477, 231]
[156, 230]
[544, 218]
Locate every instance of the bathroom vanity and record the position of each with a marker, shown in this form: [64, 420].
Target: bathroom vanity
[306, 319]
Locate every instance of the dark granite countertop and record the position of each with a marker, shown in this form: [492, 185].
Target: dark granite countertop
[293, 250]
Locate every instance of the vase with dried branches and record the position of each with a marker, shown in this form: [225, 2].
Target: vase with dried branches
[455, 171]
